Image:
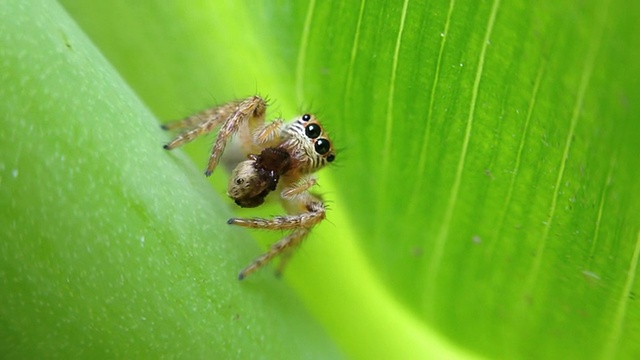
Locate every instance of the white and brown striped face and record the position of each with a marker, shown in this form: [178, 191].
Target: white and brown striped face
[308, 144]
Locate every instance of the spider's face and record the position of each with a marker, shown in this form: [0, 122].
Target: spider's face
[308, 143]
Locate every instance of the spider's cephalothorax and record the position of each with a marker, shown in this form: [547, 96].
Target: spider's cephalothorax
[278, 156]
[307, 143]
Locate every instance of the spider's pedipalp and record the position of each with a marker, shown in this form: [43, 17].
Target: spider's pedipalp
[299, 188]
[268, 133]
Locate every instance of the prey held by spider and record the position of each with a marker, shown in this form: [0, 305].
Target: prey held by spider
[278, 156]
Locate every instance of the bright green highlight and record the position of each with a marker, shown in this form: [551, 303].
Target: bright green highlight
[483, 202]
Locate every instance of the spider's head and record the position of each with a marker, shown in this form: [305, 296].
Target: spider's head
[308, 143]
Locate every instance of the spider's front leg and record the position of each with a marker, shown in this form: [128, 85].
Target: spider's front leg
[230, 117]
[249, 112]
[199, 124]
[312, 212]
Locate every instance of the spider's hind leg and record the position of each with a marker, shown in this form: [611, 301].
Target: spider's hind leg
[284, 246]
[301, 224]
[284, 260]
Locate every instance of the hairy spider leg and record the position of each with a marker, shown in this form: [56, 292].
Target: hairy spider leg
[199, 124]
[299, 188]
[230, 118]
[250, 112]
[313, 212]
[282, 246]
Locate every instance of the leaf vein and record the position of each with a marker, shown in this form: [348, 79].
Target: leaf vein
[302, 52]
[354, 51]
[386, 148]
[392, 85]
[623, 302]
[596, 231]
[425, 143]
[516, 167]
[575, 116]
[443, 233]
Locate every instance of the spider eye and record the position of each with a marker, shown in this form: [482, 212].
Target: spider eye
[312, 131]
[331, 157]
[306, 117]
[322, 146]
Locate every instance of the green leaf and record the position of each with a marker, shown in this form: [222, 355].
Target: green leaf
[111, 247]
[484, 201]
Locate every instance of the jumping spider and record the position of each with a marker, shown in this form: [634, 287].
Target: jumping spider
[278, 155]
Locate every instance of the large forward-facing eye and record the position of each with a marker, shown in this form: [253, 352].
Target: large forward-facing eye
[312, 131]
[322, 146]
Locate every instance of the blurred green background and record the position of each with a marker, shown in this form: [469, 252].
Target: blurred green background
[483, 202]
